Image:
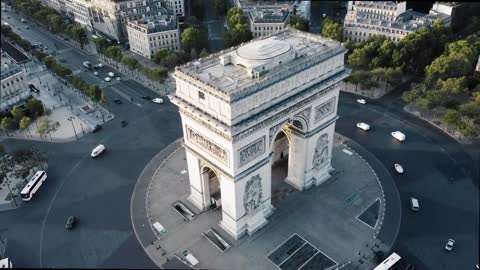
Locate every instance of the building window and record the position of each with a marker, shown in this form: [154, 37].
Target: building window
[201, 95]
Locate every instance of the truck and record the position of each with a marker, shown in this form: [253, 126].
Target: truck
[87, 64]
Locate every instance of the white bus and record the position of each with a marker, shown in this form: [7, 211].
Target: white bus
[6, 263]
[33, 185]
[389, 262]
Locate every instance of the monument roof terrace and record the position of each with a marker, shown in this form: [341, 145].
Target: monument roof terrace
[239, 71]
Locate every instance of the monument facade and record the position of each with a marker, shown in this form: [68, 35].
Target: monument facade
[233, 106]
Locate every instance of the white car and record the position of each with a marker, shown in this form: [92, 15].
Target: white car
[117, 78]
[363, 126]
[398, 135]
[98, 150]
[111, 74]
[95, 73]
[398, 168]
[157, 100]
[362, 101]
[449, 245]
[107, 79]
[100, 65]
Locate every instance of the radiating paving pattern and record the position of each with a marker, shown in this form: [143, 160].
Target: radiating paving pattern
[297, 253]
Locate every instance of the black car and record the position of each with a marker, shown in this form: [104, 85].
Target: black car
[146, 97]
[123, 123]
[63, 60]
[70, 222]
[65, 38]
[118, 101]
[97, 128]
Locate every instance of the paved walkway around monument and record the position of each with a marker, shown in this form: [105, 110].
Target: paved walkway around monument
[331, 226]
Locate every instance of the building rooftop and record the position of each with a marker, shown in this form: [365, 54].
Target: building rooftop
[260, 15]
[9, 70]
[154, 24]
[240, 70]
[408, 20]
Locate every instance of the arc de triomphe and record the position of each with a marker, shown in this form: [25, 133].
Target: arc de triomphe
[234, 103]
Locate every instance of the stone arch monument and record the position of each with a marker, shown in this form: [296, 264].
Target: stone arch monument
[234, 103]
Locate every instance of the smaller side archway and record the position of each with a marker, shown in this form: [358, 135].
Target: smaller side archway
[212, 190]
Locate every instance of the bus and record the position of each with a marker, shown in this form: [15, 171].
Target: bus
[389, 262]
[33, 185]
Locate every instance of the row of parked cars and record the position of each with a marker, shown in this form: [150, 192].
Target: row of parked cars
[414, 203]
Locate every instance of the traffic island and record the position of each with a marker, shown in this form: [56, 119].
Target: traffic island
[336, 224]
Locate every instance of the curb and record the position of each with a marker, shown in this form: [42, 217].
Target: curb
[437, 126]
[139, 199]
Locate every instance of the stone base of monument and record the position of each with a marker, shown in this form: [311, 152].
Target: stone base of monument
[324, 176]
[255, 221]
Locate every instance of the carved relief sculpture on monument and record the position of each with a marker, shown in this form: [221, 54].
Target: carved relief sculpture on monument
[320, 157]
[252, 198]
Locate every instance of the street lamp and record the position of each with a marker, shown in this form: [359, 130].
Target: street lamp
[71, 121]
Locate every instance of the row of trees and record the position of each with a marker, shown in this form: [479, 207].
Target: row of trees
[450, 83]
[238, 28]
[114, 54]
[379, 52]
[50, 17]
[15, 38]
[332, 28]
[21, 119]
[92, 91]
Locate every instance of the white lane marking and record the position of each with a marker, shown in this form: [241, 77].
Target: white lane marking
[347, 152]
[65, 179]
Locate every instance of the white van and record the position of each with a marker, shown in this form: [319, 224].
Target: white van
[98, 150]
[363, 126]
[399, 136]
[414, 205]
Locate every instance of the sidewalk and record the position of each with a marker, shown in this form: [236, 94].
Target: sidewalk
[352, 190]
[436, 121]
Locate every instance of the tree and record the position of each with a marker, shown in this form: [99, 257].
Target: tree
[79, 35]
[203, 53]
[25, 123]
[42, 127]
[17, 113]
[7, 166]
[220, 7]
[25, 159]
[35, 107]
[332, 29]
[193, 54]
[171, 60]
[7, 124]
[299, 23]
[193, 37]
[95, 93]
[101, 44]
[56, 22]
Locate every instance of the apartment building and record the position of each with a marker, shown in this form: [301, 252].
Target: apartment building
[264, 22]
[13, 84]
[391, 19]
[147, 35]
[77, 10]
[176, 7]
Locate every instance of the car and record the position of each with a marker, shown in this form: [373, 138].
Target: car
[100, 65]
[146, 97]
[399, 136]
[5, 23]
[111, 74]
[26, 27]
[363, 126]
[96, 73]
[97, 150]
[96, 128]
[414, 204]
[450, 244]
[63, 60]
[117, 78]
[118, 101]
[70, 222]
[8, 17]
[66, 39]
[123, 123]
[362, 101]
[157, 100]
[398, 168]
[107, 79]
